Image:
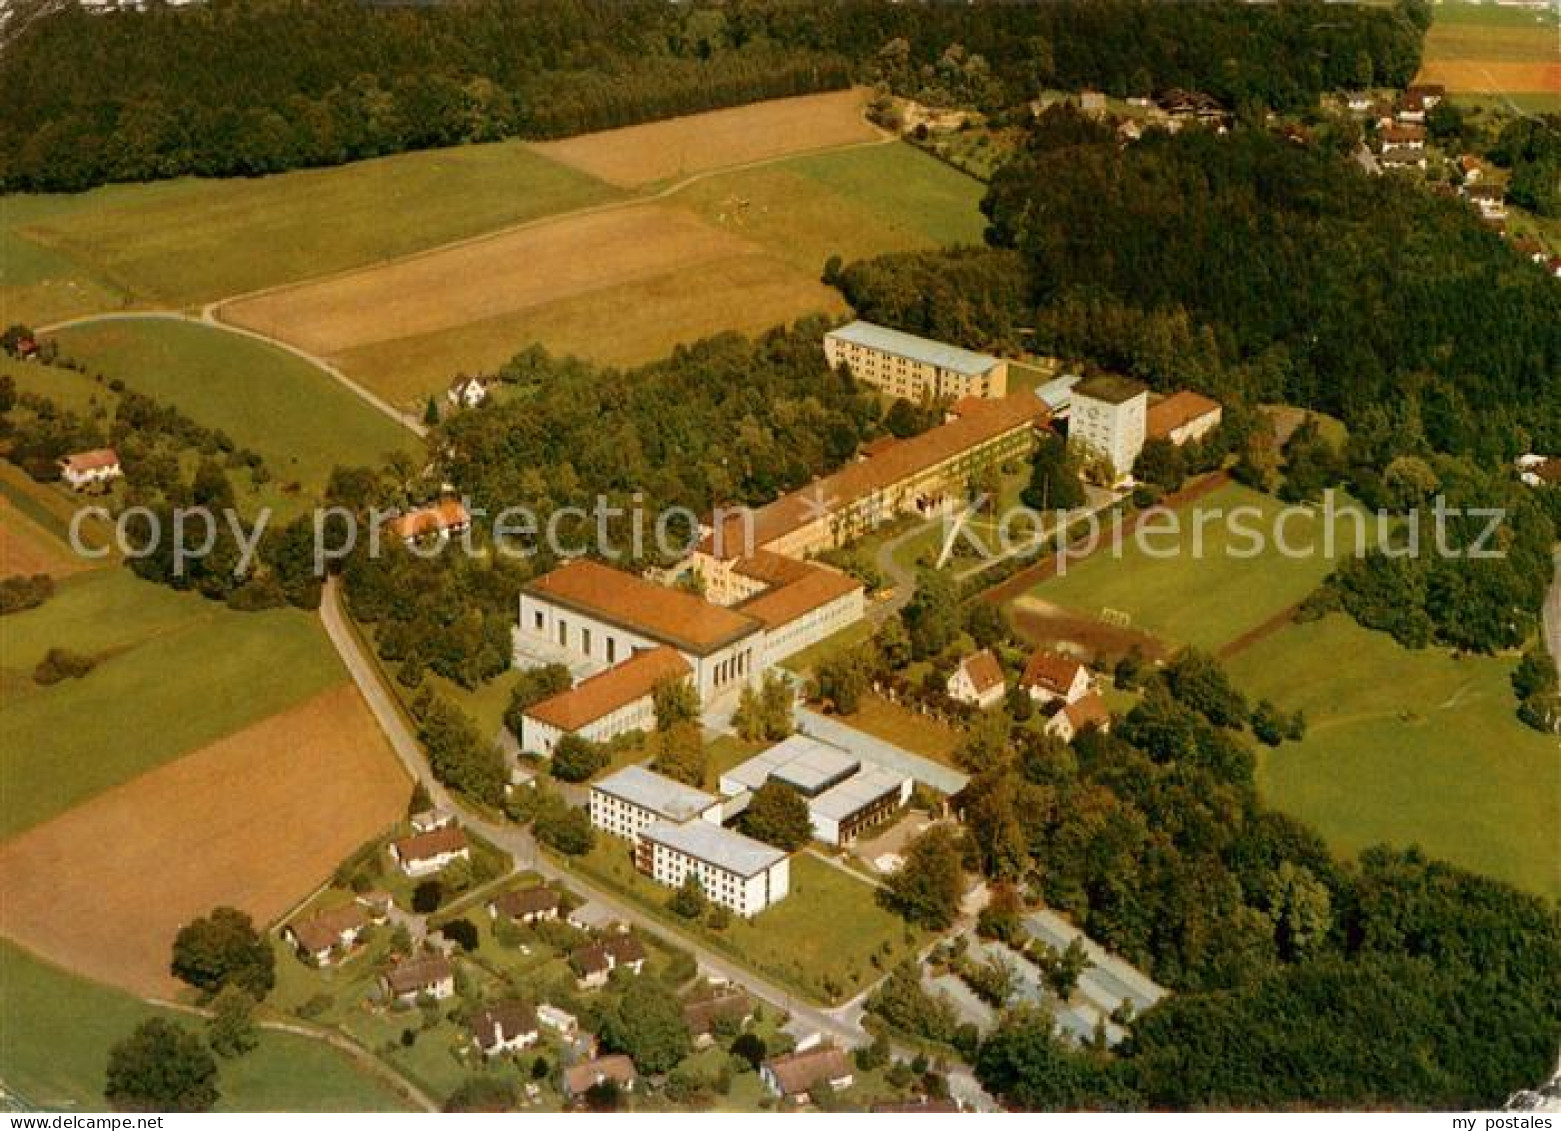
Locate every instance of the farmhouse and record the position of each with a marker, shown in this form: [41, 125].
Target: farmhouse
[90, 469]
[978, 680]
[507, 1027]
[447, 518]
[735, 871]
[528, 905]
[1078, 716]
[427, 853]
[626, 803]
[1050, 675]
[604, 615]
[605, 705]
[1109, 419]
[319, 937]
[903, 365]
[922, 475]
[1403, 157]
[1182, 417]
[467, 392]
[588, 1074]
[430, 975]
[1489, 200]
[793, 1076]
[844, 798]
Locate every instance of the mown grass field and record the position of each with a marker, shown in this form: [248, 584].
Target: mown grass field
[301, 421]
[183, 242]
[56, 1031]
[1209, 597]
[1495, 52]
[176, 672]
[828, 938]
[733, 251]
[1409, 748]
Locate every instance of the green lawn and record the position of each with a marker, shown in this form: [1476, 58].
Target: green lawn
[1205, 598]
[177, 672]
[187, 241]
[828, 938]
[903, 184]
[1409, 747]
[301, 421]
[56, 1030]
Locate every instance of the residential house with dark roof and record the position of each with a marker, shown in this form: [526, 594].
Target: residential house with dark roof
[427, 853]
[793, 1076]
[507, 1027]
[412, 978]
[581, 1078]
[323, 935]
[526, 905]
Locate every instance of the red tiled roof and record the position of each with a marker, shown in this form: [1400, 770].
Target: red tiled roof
[1052, 671]
[447, 514]
[584, 1076]
[324, 929]
[1087, 712]
[979, 420]
[1170, 413]
[426, 846]
[799, 1072]
[630, 602]
[813, 590]
[984, 670]
[609, 690]
[95, 460]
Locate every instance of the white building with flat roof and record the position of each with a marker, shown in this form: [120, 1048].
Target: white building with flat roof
[739, 873]
[843, 796]
[1108, 418]
[904, 365]
[624, 804]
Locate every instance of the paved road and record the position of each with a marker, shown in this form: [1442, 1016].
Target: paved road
[1552, 616]
[208, 317]
[838, 1023]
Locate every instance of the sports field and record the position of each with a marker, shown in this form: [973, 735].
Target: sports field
[1205, 589]
[1408, 747]
[257, 819]
[1497, 51]
[176, 672]
[300, 420]
[56, 1030]
[183, 242]
[639, 156]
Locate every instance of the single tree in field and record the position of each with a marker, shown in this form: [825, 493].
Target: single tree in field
[778, 815]
[224, 949]
[231, 1031]
[161, 1067]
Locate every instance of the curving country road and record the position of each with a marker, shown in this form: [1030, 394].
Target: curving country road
[1552, 616]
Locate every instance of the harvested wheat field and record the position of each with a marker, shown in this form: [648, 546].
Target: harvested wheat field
[489, 278]
[27, 549]
[1482, 76]
[680, 147]
[256, 820]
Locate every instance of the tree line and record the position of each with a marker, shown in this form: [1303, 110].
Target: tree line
[235, 89]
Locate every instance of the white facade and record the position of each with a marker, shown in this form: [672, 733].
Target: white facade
[740, 874]
[538, 737]
[782, 641]
[628, 802]
[420, 866]
[592, 638]
[1108, 419]
[904, 365]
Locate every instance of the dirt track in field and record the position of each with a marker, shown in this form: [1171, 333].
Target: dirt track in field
[641, 155]
[507, 274]
[256, 820]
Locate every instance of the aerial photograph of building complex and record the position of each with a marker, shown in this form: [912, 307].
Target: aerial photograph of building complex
[756, 556]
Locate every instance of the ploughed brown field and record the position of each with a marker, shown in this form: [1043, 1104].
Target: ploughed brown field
[256, 820]
[680, 147]
[25, 549]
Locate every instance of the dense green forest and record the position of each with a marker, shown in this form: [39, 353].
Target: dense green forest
[1253, 269]
[233, 87]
